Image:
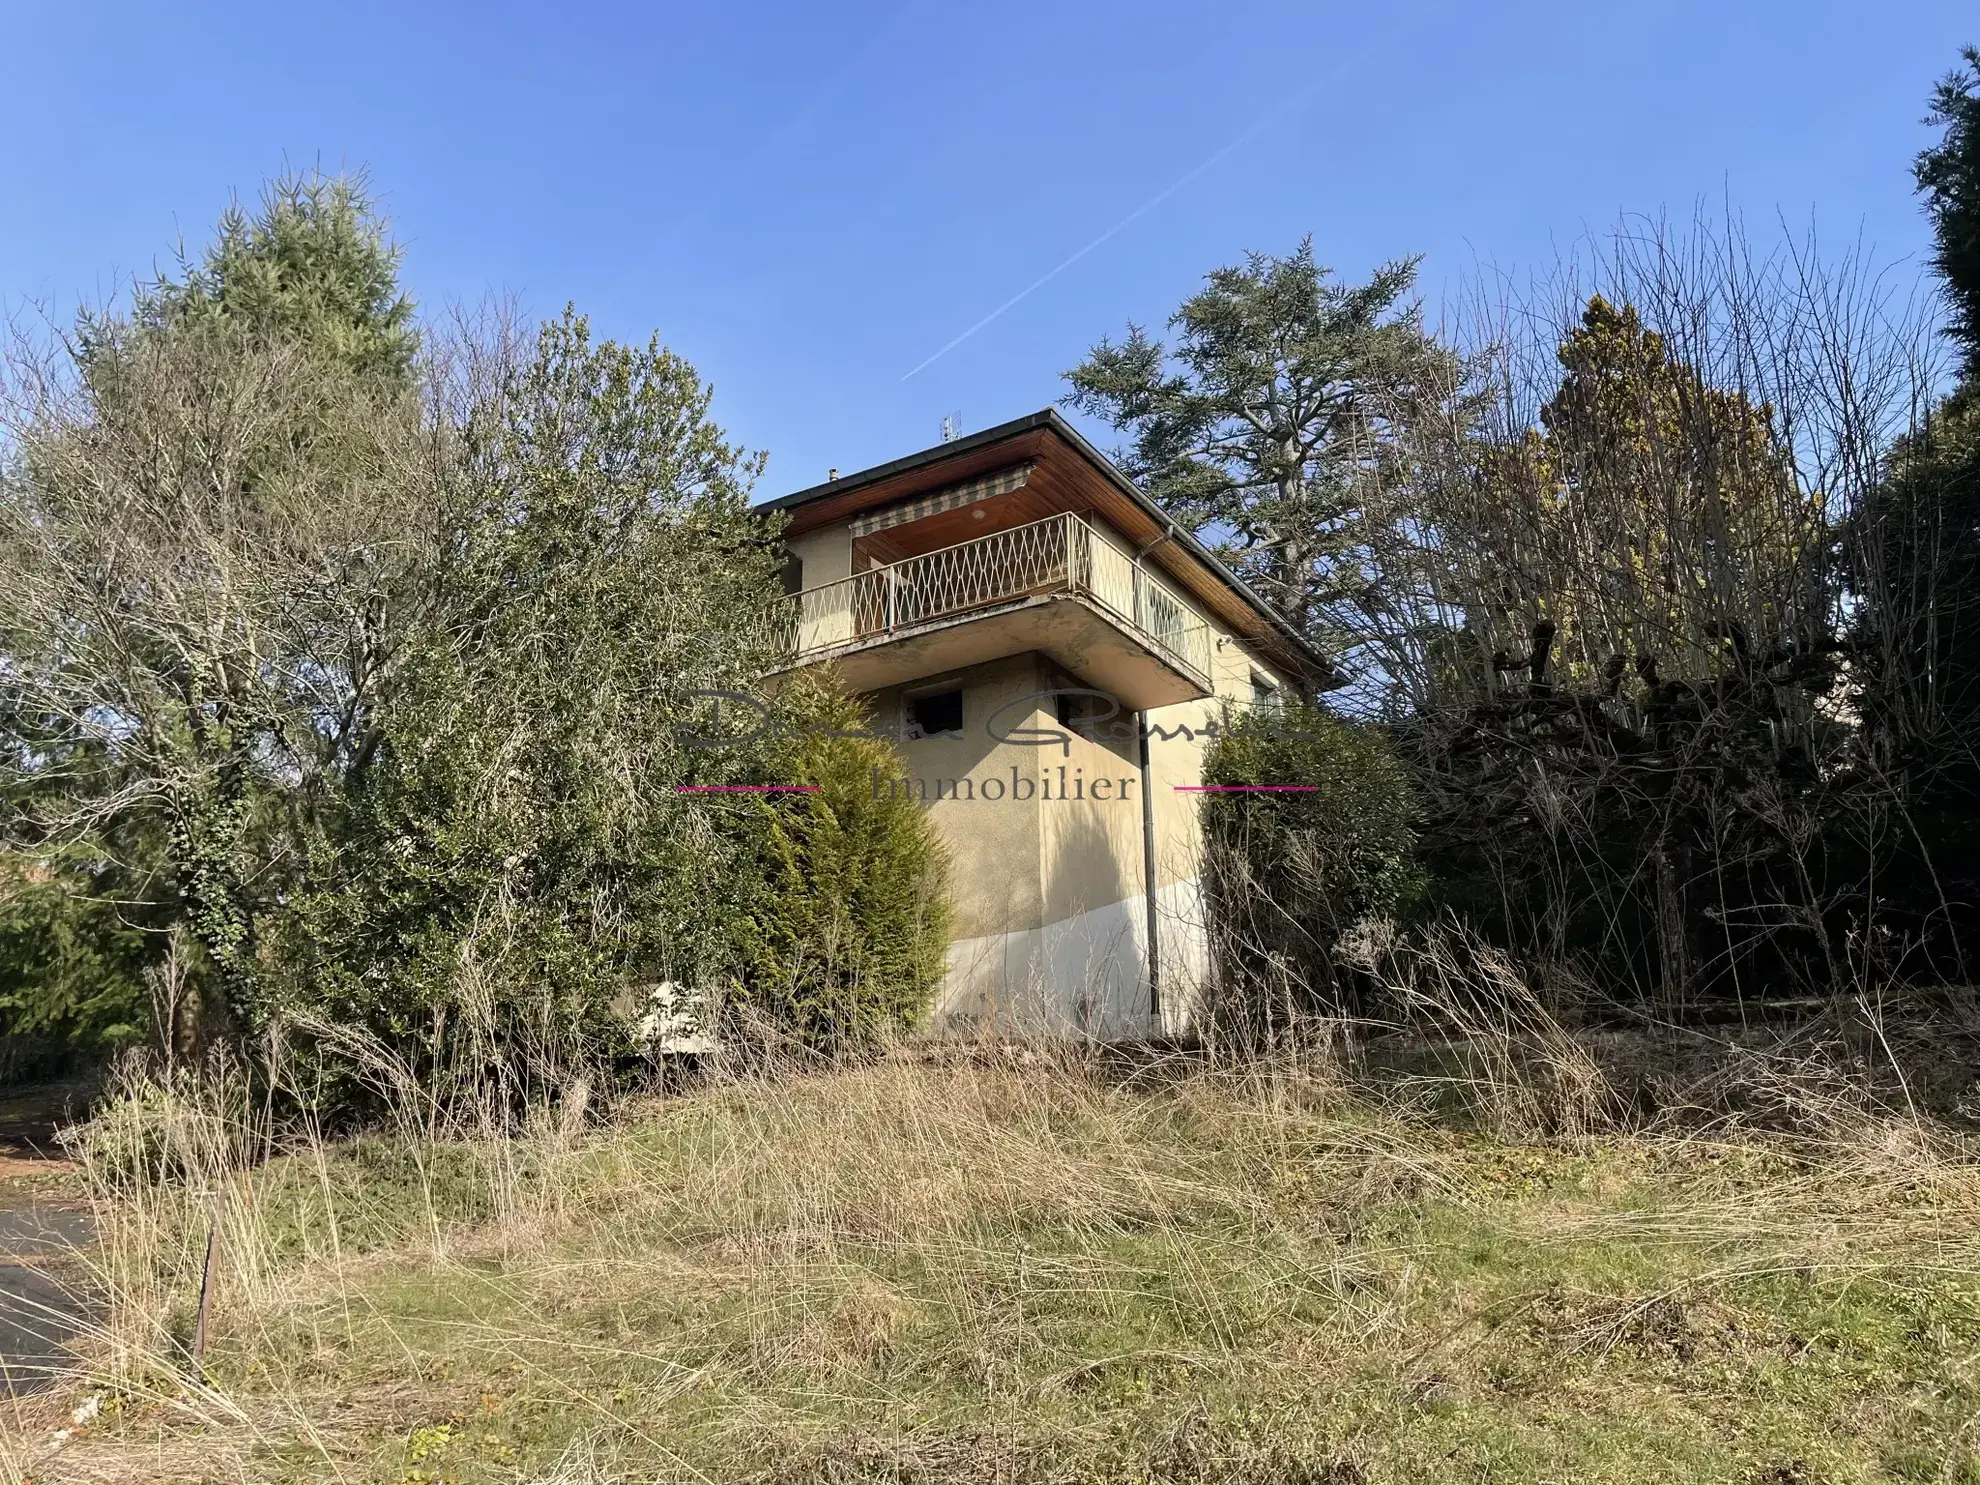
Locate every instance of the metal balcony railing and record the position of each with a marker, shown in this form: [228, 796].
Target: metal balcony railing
[1061, 555]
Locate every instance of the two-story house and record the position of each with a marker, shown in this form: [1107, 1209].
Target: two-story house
[1051, 649]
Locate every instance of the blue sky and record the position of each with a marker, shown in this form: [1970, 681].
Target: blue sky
[811, 201]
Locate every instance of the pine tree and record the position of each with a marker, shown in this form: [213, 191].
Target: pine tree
[1948, 175]
[313, 266]
[845, 940]
[1267, 424]
[1917, 573]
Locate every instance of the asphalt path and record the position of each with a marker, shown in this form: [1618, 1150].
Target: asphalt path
[44, 1299]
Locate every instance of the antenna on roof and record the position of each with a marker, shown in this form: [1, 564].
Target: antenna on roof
[952, 427]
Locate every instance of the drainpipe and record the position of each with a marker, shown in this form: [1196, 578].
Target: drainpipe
[1148, 804]
[1148, 874]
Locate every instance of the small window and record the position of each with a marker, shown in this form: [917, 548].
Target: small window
[1083, 711]
[1265, 695]
[939, 711]
[793, 574]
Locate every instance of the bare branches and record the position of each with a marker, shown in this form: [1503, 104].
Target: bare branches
[1604, 604]
[192, 532]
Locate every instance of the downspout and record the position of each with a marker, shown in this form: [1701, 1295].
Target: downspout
[1148, 811]
[1148, 875]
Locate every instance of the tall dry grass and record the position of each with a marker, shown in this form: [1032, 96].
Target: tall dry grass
[898, 1269]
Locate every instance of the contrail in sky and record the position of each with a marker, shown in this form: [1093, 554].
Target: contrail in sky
[1270, 118]
[1121, 226]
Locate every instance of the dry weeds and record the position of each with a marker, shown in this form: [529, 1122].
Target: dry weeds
[993, 1268]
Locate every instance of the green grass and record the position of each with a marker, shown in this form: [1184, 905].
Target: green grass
[909, 1273]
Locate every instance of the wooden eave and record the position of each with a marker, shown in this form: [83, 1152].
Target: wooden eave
[1069, 475]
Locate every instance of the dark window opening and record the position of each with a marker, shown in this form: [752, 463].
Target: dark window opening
[1083, 711]
[793, 574]
[940, 712]
[1264, 694]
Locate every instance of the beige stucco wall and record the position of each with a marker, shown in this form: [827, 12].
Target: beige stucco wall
[1179, 742]
[993, 844]
[1044, 839]
[1050, 888]
[827, 558]
[826, 554]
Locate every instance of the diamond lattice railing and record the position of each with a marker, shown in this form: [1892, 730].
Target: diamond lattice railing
[1060, 555]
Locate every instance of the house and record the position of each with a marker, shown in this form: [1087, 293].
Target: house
[1052, 652]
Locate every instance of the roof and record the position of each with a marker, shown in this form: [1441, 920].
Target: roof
[977, 453]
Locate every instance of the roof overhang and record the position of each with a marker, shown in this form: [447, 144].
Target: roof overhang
[1075, 476]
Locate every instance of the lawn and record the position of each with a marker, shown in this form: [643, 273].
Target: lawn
[998, 1270]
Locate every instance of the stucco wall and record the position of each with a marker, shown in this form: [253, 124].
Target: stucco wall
[1044, 839]
[1180, 739]
[827, 558]
[1048, 870]
[826, 554]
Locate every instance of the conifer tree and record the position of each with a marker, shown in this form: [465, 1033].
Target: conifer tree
[313, 266]
[1917, 573]
[1267, 423]
[1948, 175]
[845, 938]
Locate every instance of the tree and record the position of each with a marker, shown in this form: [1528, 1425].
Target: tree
[1650, 516]
[379, 658]
[1286, 875]
[1625, 752]
[71, 964]
[171, 534]
[845, 937]
[313, 267]
[1268, 424]
[1915, 551]
[1948, 176]
[515, 856]
[211, 518]
[1916, 573]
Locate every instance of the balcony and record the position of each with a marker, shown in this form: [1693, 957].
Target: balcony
[1058, 586]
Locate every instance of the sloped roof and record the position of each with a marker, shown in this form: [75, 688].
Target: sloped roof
[1083, 475]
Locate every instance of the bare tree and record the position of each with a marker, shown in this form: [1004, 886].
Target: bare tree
[1607, 611]
[203, 535]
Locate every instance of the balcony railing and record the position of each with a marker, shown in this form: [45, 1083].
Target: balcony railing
[1059, 556]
